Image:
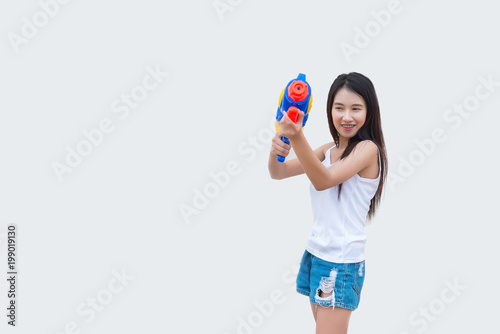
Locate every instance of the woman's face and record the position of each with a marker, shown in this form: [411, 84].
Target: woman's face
[348, 112]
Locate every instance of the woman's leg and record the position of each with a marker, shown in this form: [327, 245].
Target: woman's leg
[314, 307]
[330, 321]
[334, 321]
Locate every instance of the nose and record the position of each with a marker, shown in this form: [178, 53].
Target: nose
[347, 116]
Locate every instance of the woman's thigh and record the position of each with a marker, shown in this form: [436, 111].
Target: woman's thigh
[332, 321]
[313, 308]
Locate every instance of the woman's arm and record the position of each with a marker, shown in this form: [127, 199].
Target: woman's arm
[364, 154]
[291, 167]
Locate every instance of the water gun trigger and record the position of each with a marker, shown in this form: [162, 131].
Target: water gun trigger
[293, 114]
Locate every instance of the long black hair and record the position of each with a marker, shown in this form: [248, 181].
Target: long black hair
[371, 129]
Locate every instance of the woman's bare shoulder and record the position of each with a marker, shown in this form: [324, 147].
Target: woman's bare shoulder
[367, 146]
[321, 151]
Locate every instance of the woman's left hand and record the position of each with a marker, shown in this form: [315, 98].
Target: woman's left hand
[290, 129]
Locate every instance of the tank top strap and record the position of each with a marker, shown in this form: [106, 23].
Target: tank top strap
[327, 154]
[378, 159]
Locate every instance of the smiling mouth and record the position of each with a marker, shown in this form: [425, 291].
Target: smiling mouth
[348, 126]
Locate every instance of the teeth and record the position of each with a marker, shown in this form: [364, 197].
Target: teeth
[348, 126]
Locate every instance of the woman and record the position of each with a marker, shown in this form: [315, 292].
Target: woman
[347, 177]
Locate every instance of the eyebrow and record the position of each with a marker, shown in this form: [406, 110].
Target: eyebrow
[355, 104]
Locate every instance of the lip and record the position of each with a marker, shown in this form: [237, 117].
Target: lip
[352, 126]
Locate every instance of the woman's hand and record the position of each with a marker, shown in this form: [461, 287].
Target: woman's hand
[279, 147]
[290, 129]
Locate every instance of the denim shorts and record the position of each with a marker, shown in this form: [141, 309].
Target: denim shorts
[345, 280]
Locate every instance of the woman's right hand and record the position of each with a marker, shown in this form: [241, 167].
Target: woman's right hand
[279, 147]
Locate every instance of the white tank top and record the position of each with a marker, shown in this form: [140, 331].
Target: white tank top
[338, 230]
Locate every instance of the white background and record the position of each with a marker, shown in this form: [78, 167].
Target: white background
[120, 208]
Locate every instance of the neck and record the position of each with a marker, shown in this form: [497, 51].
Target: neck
[343, 142]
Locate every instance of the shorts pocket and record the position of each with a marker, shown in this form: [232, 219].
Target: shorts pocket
[359, 276]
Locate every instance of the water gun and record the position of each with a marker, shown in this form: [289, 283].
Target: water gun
[296, 96]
